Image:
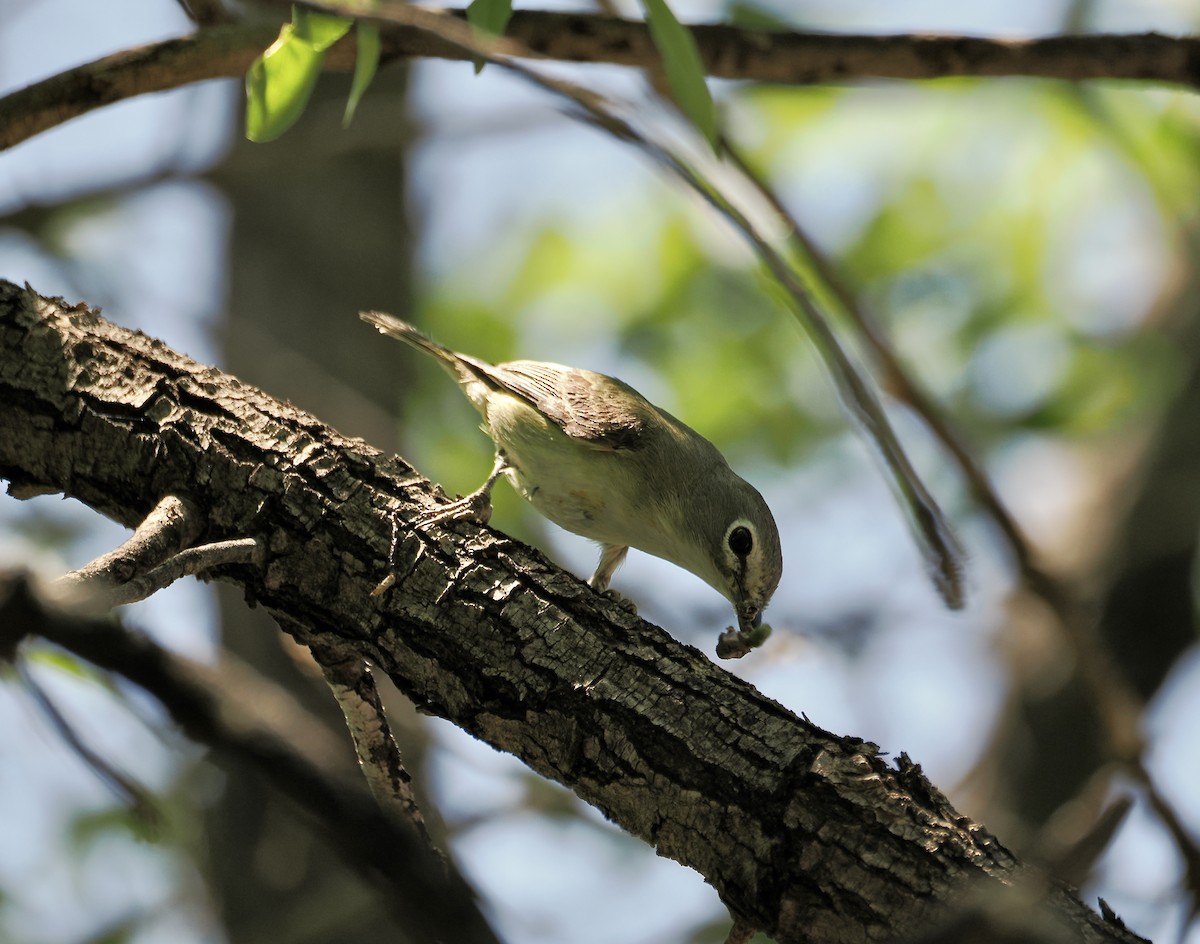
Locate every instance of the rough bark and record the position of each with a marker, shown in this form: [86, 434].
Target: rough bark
[806, 835]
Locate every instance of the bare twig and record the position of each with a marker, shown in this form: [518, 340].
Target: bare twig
[190, 562]
[170, 527]
[152, 558]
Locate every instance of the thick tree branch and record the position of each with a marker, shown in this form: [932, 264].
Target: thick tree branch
[804, 834]
[727, 52]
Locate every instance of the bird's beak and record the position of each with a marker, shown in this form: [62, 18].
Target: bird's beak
[746, 625]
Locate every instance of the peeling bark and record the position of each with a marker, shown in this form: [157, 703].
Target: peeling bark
[804, 834]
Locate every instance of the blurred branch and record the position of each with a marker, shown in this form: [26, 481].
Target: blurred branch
[208, 708]
[791, 58]
[895, 377]
[796, 828]
[140, 802]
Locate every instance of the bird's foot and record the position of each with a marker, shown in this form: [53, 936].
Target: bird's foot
[621, 600]
[476, 508]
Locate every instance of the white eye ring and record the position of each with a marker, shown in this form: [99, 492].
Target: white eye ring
[740, 538]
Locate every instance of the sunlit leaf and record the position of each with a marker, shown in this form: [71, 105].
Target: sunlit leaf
[281, 80]
[319, 30]
[684, 70]
[364, 68]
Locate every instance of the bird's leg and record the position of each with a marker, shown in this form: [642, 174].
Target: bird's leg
[611, 556]
[475, 507]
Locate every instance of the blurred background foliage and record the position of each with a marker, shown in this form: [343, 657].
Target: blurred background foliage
[1030, 248]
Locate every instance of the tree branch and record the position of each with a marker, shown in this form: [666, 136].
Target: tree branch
[803, 834]
[728, 52]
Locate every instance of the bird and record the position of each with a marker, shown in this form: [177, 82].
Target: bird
[597, 458]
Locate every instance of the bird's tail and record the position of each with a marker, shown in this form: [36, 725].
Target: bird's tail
[472, 375]
[403, 331]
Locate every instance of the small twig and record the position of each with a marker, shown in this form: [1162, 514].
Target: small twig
[1189, 849]
[168, 529]
[1079, 831]
[896, 379]
[99, 593]
[426, 901]
[193, 561]
[353, 685]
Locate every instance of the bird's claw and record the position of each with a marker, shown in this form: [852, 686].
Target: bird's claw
[620, 599]
[476, 508]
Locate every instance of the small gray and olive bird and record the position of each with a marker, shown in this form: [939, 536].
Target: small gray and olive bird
[597, 458]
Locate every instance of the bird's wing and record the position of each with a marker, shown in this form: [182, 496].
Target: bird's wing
[587, 406]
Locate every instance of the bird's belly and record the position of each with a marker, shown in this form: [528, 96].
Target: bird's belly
[576, 485]
[569, 503]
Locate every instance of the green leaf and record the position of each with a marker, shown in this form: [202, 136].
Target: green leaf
[685, 72]
[489, 17]
[280, 81]
[364, 68]
[319, 30]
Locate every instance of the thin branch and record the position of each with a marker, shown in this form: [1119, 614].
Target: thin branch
[188, 563]
[385, 851]
[170, 527]
[155, 556]
[789, 58]
[98, 592]
[353, 685]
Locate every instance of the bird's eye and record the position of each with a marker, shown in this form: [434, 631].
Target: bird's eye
[740, 541]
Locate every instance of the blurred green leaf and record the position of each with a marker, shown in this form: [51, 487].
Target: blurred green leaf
[489, 17]
[89, 826]
[364, 68]
[319, 30]
[752, 16]
[685, 71]
[63, 661]
[280, 82]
